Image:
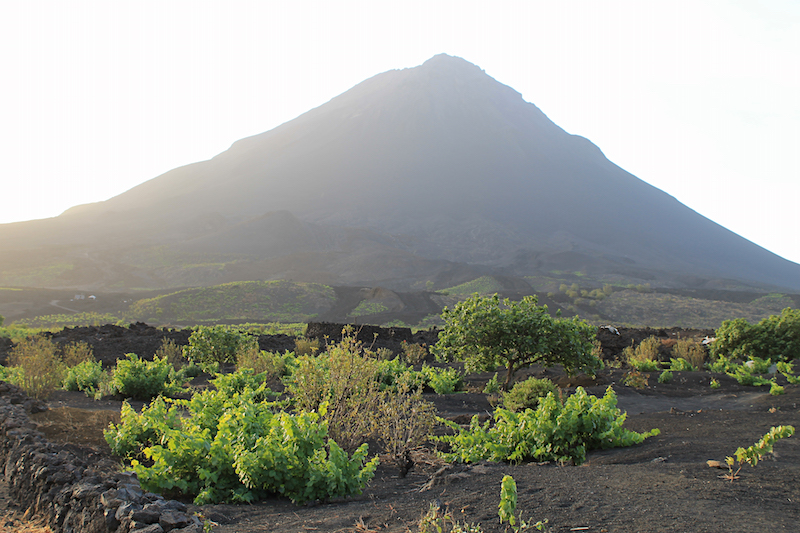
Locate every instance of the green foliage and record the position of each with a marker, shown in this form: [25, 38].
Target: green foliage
[485, 332]
[86, 377]
[482, 285]
[366, 308]
[271, 364]
[136, 432]
[681, 365]
[346, 378]
[507, 508]
[787, 369]
[644, 357]
[413, 353]
[303, 346]
[691, 351]
[40, 368]
[59, 321]
[527, 394]
[552, 432]
[441, 520]
[722, 364]
[754, 453]
[714, 384]
[492, 386]
[76, 352]
[403, 423]
[645, 365]
[267, 301]
[217, 344]
[141, 379]
[665, 377]
[232, 447]
[776, 337]
[775, 389]
[635, 379]
[748, 373]
[443, 380]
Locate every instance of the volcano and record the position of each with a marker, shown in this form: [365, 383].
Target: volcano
[437, 173]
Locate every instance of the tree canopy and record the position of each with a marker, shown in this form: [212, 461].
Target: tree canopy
[485, 332]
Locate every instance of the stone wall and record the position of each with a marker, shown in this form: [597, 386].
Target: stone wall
[77, 489]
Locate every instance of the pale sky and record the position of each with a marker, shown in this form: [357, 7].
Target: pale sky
[699, 98]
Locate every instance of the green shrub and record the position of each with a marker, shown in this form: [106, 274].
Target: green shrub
[171, 352]
[644, 365]
[681, 365]
[492, 386]
[552, 432]
[527, 394]
[86, 377]
[140, 379]
[443, 380]
[135, 432]
[76, 352]
[485, 332]
[345, 378]
[390, 372]
[404, 422]
[691, 351]
[414, 354]
[722, 364]
[752, 454]
[40, 368]
[231, 447]
[665, 377]
[304, 346]
[776, 337]
[272, 365]
[217, 344]
[787, 369]
[644, 357]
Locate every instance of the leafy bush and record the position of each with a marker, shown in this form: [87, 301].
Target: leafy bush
[40, 368]
[527, 394]
[644, 357]
[722, 364]
[552, 432]
[140, 379]
[691, 351]
[271, 364]
[345, 378]
[217, 344]
[681, 365]
[76, 352]
[86, 377]
[776, 337]
[404, 422]
[752, 454]
[492, 386]
[413, 353]
[303, 346]
[787, 369]
[443, 380]
[171, 352]
[136, 432]
[485, 332]
[665, 377]
[232, 447]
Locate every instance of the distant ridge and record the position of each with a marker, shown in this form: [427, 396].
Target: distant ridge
[436, 173]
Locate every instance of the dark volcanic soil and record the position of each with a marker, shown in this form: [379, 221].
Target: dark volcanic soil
[661, 485]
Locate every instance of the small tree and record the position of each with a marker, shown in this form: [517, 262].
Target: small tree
[485, 332]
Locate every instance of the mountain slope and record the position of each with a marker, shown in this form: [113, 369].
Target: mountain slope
[439, 168]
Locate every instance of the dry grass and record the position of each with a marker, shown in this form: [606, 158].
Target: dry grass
[42, 368]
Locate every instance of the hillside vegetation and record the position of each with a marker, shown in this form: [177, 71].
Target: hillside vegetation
[264, 301]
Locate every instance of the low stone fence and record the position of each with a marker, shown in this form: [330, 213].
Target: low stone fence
[74, 488]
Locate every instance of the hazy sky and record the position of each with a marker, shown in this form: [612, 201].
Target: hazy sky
[699, 98]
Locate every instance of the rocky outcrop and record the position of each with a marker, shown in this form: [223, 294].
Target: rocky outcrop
[77, 489]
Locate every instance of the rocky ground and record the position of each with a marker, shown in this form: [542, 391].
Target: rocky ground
[663, 484]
